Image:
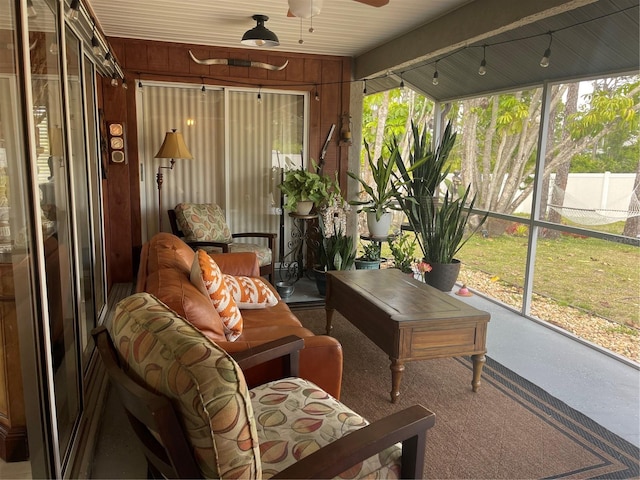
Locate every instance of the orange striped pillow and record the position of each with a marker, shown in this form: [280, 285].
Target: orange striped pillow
[206, 275]
[250, 292]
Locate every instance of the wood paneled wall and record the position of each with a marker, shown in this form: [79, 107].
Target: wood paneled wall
[170, 62]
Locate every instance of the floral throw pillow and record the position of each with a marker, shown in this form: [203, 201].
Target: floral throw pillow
[202, 222]
[206, 275]
[250, 292]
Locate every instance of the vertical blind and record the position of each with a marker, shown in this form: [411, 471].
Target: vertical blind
[239, 153]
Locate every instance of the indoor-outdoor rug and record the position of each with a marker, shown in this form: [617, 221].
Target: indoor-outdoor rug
[510, 428]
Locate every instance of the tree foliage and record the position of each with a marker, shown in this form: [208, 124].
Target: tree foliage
[593, 128]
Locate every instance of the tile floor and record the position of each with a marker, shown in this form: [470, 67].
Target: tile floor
[597, 384]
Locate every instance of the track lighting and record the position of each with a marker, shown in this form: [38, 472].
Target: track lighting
[124, 84]
[483, 64]
[114, 80]
[544, 62]
[74, 10]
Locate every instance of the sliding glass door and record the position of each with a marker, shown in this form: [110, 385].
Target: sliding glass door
[240, 144]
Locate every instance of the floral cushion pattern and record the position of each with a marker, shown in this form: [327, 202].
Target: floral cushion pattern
[206, 275]
[264, 253]
[250, 292]
[314, 419]
[207, 387]
[202, 222]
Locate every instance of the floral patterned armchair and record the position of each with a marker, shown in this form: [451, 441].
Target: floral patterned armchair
[202, 225]
[196, 418]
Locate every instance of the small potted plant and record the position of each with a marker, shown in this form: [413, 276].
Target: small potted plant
[336, 249]
[381, 196]
[370, 258]
[305, 188]
[403, 250]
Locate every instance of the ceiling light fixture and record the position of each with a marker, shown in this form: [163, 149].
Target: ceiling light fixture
[401, 80]
[317, 95]
[483, 64]
[544, 62]
[260, 36]
[305, 8]
[364, 90]
[435, 80]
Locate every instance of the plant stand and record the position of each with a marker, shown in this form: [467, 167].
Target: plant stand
[292, 262]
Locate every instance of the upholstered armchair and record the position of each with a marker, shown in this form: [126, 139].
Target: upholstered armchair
[202, 225]
[190, 407]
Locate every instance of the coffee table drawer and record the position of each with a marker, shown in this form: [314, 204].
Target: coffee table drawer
[427, 343]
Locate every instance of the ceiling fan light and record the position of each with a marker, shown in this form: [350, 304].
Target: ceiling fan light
[260, 36]
[305, 8]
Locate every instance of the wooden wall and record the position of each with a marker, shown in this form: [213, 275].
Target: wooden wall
[160, 61]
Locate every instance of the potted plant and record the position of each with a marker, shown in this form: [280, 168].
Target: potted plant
[441, 231]
[336, 249]
[370, 258]
[403, 250]
[419, 176]
[305, 188]
[381, 196]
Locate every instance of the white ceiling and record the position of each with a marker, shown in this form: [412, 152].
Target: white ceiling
[343, 27]
[403, 39]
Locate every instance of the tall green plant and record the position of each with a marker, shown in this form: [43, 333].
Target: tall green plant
[423, 170]
[382, 197]
[441, 229]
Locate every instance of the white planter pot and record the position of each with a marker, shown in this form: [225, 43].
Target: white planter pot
[304, 207]
[379, 228]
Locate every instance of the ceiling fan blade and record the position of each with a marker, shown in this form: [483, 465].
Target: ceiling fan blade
[374, 3]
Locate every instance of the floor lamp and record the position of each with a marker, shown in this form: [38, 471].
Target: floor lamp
[172, 147]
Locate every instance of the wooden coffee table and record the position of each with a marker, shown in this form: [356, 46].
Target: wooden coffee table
[407, 319]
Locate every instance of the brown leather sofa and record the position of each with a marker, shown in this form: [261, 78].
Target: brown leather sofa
[165, 266]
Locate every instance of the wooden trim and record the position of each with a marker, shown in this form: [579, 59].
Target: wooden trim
[14, 446]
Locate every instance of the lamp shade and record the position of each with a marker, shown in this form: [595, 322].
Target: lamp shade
[260, 36]
[305, 8]
[173, 146]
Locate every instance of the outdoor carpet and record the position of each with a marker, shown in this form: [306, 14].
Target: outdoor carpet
[510, 428]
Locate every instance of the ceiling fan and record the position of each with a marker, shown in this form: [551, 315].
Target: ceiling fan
[311, 8]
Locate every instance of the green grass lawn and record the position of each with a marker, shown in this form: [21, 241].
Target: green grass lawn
[600, 277]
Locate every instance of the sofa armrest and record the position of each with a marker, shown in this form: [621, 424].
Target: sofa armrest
[289, 346]
[238, 263]
[408, 426]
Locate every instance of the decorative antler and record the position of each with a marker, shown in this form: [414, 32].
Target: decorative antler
[238, 63]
